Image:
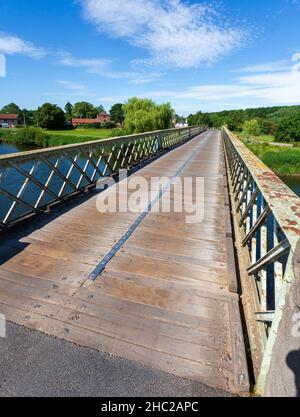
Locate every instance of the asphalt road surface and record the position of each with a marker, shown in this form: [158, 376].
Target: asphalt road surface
[34, 364]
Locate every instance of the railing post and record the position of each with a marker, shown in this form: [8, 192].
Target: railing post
[159, 143]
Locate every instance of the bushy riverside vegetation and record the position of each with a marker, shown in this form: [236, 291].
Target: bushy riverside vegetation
[49, 125]
[282, 123]
[281, 160]
[258, 128]
[35, 136]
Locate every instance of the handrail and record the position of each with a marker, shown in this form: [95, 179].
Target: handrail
[268, 217]
[31, 181]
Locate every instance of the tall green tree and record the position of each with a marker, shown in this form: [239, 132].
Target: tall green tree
[50, 116]
[100, 108]
[144, 115]
[85, 110]
[28, 116]
[69, 111]
[117, 113]
[11, 108]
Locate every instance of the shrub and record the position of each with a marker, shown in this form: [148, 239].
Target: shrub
[90, 126]
[31, 136]
[251, 127]
[108, 125]
[118, 132]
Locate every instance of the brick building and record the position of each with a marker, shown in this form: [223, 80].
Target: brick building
[10, 120]
[101, 118]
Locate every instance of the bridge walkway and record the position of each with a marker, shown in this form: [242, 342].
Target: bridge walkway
[164, 300]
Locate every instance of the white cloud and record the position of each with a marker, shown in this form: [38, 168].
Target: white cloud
[10, 45]
[76, 87]
[176, 33]
[104, 68]
[261, 88]
[93, 66]
[276, 66]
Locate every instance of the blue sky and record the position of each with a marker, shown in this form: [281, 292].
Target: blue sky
[198, 55]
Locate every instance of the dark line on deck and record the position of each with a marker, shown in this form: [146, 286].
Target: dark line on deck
[115, 249]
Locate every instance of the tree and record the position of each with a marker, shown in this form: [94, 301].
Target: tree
[144, 115]
[251, 127]
[117, 113]
[235, 120]
[50, 116]
[29, 117]
[289, 129]
[85, 110]
[267, 127]
[69, 111]
[100, 108]
[11, 108]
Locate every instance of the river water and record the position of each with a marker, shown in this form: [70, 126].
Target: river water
[292, 181]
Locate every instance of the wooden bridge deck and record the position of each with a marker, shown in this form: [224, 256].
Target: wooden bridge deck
[163, 300]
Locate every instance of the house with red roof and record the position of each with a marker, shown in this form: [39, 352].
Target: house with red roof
[102, 117]
[10, 120]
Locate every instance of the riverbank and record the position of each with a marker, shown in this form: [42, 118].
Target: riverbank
[284, 161]
[47, 138]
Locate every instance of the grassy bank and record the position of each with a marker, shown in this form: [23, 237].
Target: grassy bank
[62, 137]
[260, 138]
[283, 161]
[48, 138]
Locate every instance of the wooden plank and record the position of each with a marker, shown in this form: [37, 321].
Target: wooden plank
[153, 359]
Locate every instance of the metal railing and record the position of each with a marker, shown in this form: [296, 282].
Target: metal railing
[268, 216]
[31, 181]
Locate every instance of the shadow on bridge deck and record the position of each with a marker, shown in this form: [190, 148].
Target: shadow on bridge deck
[163, 300]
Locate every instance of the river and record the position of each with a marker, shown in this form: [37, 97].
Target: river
[6, 148]
[292, 181]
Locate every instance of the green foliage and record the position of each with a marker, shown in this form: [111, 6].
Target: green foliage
[11, 108]
[29, 116]
[90, 126]
[50, 116]
[283, 122]
[108, 125]
[251, 127]
[44, 138]
[85, 110]
[100, 109]
[289, 129]
[5, 135]
[267, 127]
[144, 115]
[283, 161]
[118, 132]
[117, 113]
[33, 136]
[69, 111]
